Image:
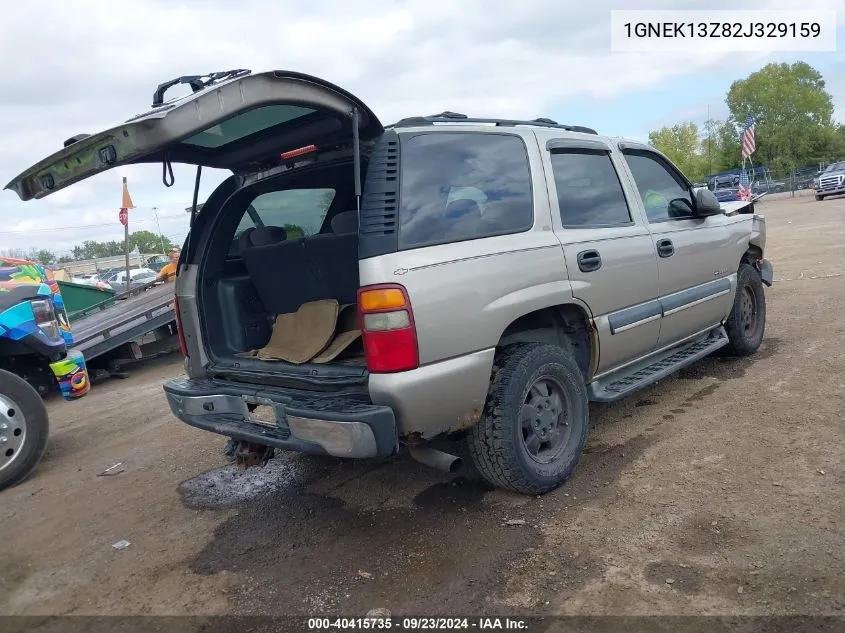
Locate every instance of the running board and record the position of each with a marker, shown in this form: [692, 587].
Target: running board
[633, 378]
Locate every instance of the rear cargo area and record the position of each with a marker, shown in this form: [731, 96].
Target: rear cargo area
[282, 278]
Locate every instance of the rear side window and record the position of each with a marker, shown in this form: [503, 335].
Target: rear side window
[463, 186]
[589, 192]
[300, 212]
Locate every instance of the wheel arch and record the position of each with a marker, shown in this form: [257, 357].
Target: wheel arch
[568, 325]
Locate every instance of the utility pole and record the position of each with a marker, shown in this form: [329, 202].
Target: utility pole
[709, 137]
[160, 235]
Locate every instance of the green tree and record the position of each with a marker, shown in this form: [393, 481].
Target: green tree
[720, 147]
[792, 111]
[680, 143]
[91, 249]
[294, 231]
[37, 255]
[149, 242]
[44, 257]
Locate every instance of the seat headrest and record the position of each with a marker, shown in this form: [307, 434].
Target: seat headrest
[262, 236]
[268, 235]
[245, 239]
[345, 222]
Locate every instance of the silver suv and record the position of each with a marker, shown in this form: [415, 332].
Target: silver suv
[353, 288]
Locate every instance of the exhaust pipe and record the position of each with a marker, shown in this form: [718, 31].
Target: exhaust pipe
[436, 459]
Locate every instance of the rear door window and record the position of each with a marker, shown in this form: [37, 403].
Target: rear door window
[301, 212]
[589, 192]
[463, 186]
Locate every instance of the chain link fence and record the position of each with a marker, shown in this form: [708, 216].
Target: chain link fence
[764, 180]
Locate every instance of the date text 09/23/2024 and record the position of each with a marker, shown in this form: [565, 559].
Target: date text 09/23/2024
[417, 624]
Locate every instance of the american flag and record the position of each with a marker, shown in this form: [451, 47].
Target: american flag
[745, 191]
[748, 144]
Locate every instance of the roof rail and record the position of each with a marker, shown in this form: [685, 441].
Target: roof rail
[455, 117]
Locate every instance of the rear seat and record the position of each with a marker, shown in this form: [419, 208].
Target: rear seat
[270, 258]
[324, 266]
[334, 257]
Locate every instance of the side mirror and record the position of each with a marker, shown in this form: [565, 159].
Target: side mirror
[706, 204]
[680, 208]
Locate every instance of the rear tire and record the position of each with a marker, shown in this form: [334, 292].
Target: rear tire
[534, 426]
[747, 322]
[24, 438]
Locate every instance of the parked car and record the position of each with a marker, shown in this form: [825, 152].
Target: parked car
[137, 277]
[724, 195]
[726, 181]
[504, 274]
[831, 181]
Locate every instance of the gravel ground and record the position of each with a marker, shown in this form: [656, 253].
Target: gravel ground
[718, 491]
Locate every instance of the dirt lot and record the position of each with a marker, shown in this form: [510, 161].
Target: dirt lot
[719, 491]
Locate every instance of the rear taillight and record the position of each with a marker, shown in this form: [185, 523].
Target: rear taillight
[387, 328]
[183, 348]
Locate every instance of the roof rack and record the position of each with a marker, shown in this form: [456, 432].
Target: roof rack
[456, 117]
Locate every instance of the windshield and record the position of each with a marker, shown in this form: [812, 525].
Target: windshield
[840, 166]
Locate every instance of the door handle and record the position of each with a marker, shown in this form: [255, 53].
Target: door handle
[665, 248]
[589, 261]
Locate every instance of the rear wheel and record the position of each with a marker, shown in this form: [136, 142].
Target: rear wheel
[24, 428]
[747, 321]
[535, 421]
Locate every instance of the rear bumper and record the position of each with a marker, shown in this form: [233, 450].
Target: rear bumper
[306, 422]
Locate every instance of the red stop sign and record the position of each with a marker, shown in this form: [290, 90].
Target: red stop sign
[123, 216]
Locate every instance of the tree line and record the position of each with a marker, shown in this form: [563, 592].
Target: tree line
[144, 241]
[793, 125]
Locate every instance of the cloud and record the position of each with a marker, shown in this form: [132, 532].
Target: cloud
[71, 67]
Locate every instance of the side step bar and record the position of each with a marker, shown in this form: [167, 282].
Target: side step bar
[620, 384]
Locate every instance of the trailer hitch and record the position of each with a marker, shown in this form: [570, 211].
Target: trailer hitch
[246, 454]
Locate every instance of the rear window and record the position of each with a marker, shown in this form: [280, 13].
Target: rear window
[300, 212]
[463, 186]
[245, 124]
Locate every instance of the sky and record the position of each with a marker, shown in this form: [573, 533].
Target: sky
[84, 66]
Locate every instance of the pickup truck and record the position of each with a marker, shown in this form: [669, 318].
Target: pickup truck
[356, 289]
[831, 181]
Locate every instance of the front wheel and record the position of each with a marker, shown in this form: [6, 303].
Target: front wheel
[747, 321]
[819, 198]
[24, 428]
[535, 420]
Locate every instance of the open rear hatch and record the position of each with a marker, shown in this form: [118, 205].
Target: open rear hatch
[232, 120]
